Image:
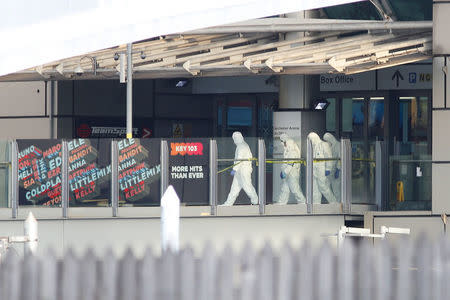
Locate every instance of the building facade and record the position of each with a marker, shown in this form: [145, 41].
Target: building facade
[394, 119]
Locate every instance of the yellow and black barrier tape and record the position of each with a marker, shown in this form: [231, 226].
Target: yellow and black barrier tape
[238, 162]
[364, 159]
[287, 161]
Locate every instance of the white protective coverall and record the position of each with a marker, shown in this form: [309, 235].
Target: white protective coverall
[242, 172]
[290, 172]
[321, 172]
[335, 177]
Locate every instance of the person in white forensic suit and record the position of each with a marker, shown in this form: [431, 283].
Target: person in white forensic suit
[242, 172]
[321, 170]
[290, 172]
[335, 177]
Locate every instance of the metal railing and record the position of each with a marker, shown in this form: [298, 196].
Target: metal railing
[261, 161]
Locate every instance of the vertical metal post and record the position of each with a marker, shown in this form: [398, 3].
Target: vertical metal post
[381, 176]
[114, 178]
[129, 92]
[346, 178]
[309, 176]
[261, 176]
[122, 75]
[14, 188]
[164, 167]
[65, 178]
[52, 107]
[213, 176]
[30, 230]
[378, 191]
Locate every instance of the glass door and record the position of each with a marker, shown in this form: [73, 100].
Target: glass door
[410, 159]
[363, 121]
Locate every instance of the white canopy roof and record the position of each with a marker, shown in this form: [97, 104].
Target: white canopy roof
[38, 32]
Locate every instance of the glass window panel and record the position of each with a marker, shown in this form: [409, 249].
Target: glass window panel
[412, 10]
[347, 115]
[236, 167]
[353, 116]
[363, 174]
[376, 118]
[331, 115]
[39, 172]
[359, 173]
[287, 170]
[418, 112]
[353, 11]
[410, 182]
[239, 116]
[219, 115]
[413, 126]
[326, 170]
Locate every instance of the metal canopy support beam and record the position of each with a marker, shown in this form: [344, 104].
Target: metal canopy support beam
[129, 92]
[380, 10]
[261, 53]
[275, 25]
[388, 9]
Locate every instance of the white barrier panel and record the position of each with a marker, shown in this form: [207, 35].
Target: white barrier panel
[354, 271]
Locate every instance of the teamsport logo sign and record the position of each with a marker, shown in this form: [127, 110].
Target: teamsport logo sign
[86, 131]
[186, 148]
[116, 131]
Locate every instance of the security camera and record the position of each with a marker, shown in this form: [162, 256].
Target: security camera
[116, 56]
[143, 56]
[78, 70]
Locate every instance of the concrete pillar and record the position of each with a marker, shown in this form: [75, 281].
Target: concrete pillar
[441, 108]
[296, 91]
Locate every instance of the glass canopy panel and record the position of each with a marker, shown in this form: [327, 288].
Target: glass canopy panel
[353, 11]
[413, 10]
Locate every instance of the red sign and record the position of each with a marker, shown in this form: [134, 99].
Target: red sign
[84, 131]
[186, 148]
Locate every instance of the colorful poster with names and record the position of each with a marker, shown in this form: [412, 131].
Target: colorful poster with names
[39, 164]
[189, 169]
[89, 172]
[139, 172]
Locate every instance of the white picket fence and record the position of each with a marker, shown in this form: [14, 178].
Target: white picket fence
[410, 270]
